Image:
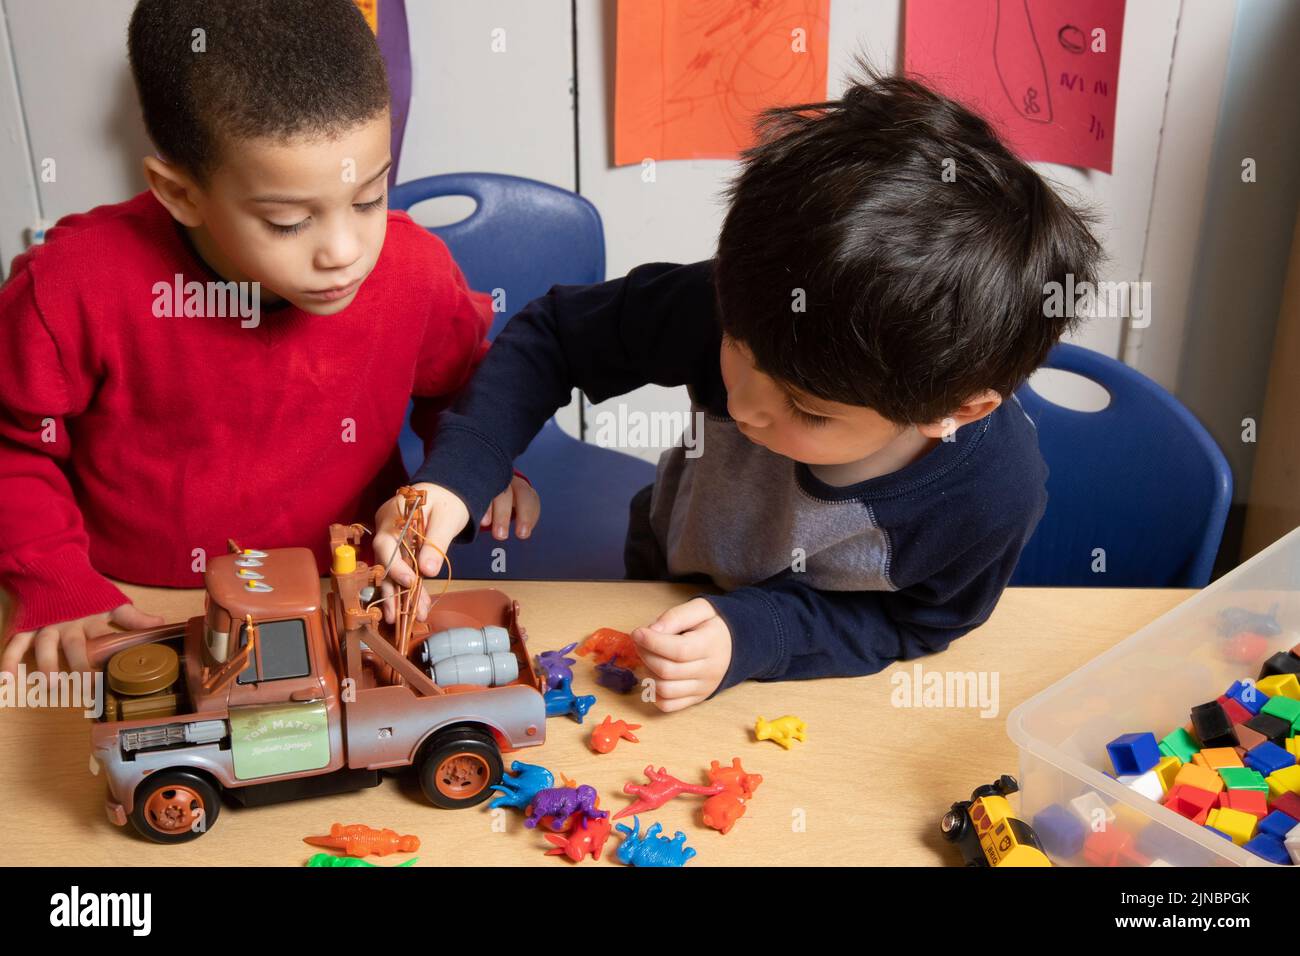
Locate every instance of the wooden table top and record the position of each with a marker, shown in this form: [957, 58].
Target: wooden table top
[867, 788]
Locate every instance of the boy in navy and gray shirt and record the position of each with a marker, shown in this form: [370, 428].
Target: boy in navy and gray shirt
[867, 480]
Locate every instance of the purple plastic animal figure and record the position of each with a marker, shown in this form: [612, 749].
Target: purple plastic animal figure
[562, 702]
[652, 849]
[517, 790]
[556, 666]
[562, 803]
[618, 679]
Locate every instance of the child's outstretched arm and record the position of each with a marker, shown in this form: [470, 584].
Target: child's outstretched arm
[44, 562]
[654, 326]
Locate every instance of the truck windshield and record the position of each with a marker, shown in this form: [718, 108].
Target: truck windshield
[283, 650]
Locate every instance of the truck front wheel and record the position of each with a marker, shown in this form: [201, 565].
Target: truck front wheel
[174, 806]
[458, 769]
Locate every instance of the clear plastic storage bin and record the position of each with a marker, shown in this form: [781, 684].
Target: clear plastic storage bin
[1149, 682]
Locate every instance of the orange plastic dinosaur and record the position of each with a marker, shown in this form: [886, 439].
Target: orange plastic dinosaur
[357, 839]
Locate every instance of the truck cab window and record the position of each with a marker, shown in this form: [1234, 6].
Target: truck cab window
[283, 651]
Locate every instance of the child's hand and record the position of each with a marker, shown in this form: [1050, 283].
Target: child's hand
[687, 650]
[519, 498]
[70, 638]
[445, 516]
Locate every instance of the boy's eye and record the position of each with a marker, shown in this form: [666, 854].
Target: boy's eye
[373, 204]
[290, 230]
[806, 417]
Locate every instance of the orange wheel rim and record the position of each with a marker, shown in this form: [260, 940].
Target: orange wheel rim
[173, 809]
[462, 775]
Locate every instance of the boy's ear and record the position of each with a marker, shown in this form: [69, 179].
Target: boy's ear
[969, 411]
[175, 189]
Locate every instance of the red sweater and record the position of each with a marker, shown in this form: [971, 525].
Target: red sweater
[129, 441]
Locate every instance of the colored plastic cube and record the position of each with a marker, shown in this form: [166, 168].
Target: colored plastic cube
[1288, 803]
[1268, 757]
[1167, 770]
[1283, 708]
[1248, 739]
[1272, 728]
[1212, 725]
[1279, 664]
[1180, 744]
[1286, 780]
[1148, 784]
[1106, 847]
[1243, 778]
[1133, 754]
[1278, 824]
[1247, 801]
[1092, 810]
[1237, 714]
[1238, 824]
[1060, 831]
[1190, 802]
[1267, 848]
[1292, 845]
[1248, 694]
[1216, 758]
[1199, 777]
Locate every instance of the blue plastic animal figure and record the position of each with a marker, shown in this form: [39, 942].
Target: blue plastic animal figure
[524, 782]
[652, 849]
[618, 679]
[1234, 620]
[556, 667]
[562, 702]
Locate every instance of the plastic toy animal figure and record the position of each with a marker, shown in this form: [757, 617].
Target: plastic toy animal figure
[652, 849]
[607, 644]
[606, 735]
[586, 839]
[562, 803]
[357, 839]
[662, 787]
[518, 788]
[562, 702]
[326, 859]
[1234, 620]
[784, 730]
[618, 679]
[556, 666]
[723, 810]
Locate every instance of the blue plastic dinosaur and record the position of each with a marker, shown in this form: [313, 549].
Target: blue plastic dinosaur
[652, 849]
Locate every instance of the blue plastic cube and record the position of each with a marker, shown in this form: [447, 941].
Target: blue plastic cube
[1248, 695]
[1060, 831]
[1268, 757]
[1132, 754]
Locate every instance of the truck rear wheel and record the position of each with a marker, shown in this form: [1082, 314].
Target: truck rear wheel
[174, 806]
[458, 769]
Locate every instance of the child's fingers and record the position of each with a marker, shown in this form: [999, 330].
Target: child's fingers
[387, 590]
[133, 619]
[14, 651]
[528, 507]
[47, 649]
[668, 706]
[683, 617]
[672, 647]
[665, 669]
[74, 649]
[673, 695]
[502, 505]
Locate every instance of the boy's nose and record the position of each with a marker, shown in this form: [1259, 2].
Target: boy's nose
[340, 252]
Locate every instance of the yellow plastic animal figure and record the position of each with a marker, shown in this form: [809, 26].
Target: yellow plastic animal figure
[784, 730]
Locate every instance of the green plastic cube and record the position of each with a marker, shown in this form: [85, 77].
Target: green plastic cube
[1180, 744]
[1243, 778]
[1284, 708]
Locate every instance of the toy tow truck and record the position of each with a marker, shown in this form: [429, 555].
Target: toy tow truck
[988, 833]
[269, 696]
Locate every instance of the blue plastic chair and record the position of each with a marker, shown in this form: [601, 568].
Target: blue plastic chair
[524, 237]
[1141, 478]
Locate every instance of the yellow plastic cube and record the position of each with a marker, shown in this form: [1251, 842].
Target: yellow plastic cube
[1167, 769]
[1286, 780]
[1292, 746]
[1238, 824]
[1285, 684]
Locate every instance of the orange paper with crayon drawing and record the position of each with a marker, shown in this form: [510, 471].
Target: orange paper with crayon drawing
[692, 75]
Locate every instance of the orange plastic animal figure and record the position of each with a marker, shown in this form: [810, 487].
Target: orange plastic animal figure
[587, 839]
[723, 810]
[357, 839]
[608, 645]
[606, 735]
[784, 730]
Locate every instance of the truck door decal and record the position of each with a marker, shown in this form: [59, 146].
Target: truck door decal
[279, 738]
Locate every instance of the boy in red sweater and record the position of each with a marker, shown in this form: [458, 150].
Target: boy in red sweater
[230, 354]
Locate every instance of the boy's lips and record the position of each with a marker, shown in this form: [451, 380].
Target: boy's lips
[336, 292]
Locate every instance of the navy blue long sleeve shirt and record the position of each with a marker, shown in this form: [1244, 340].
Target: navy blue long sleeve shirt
[820, 580]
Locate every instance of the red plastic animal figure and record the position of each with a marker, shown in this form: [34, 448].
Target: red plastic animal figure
[606, 735]
[587, 839]
[357, 839]
[723, 810]
[608, 645]
[662, 787]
